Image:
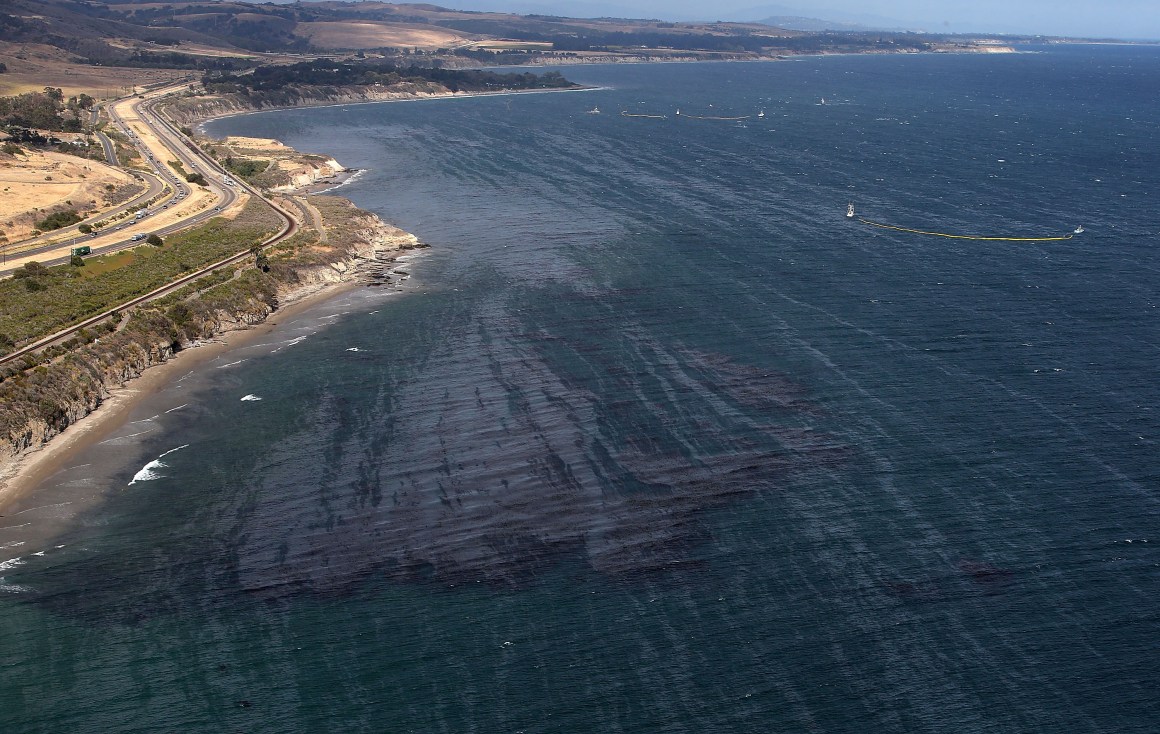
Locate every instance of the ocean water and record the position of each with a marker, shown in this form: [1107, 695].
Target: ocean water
[654, 439]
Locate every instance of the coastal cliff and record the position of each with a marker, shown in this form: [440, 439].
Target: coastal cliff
[194, 109]
[38, 404]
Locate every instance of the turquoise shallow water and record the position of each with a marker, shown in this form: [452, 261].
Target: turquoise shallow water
[654, 439]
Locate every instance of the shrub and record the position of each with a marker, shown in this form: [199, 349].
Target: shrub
[58, 220]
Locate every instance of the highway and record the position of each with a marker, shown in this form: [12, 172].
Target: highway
[167, 143]
[53, 248]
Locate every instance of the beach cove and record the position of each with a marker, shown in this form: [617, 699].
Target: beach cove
[296, 174]
[375, 244]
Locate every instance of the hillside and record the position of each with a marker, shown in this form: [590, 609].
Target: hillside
[85, 45]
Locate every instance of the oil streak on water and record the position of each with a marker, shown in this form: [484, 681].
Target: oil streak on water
[655, 439]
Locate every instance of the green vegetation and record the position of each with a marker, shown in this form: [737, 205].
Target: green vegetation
[57, 220]
[127, 153]
[39, 300]
[246, 168]
[175, 60]
[154, 240]
[197, 179]
[47, 110]
[327, 73]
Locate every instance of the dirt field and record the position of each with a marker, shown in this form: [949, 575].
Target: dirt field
[33, 184]
[33, 67]
[368, 34]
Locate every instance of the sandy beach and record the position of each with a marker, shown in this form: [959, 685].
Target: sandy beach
[31, 470]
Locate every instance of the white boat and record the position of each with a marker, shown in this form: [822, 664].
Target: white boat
[594, 111]
[761, 114]
[1079, 230]
[850, 210]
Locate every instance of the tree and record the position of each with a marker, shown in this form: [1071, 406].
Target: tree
[32, 274]
[261, 262]
[31, 269]
[85, 228]
[154, 240]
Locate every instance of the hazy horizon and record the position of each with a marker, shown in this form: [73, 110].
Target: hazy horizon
[1110, 19]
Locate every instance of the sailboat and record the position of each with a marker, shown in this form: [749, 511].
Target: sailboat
[1079, 229]
[850, 210]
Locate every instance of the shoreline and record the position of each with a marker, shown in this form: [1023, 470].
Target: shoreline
[199, 125]
[20, 479]
[35, 467]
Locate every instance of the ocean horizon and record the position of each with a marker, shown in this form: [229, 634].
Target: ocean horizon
[655, 437]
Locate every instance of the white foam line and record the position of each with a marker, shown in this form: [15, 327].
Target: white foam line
[149, 471]
[290, 343]
[12, 544]
[231, 364]
[350, 179]
[131, 435]
[177, 408]
[13, 527]
[42, 507]
[10, 564]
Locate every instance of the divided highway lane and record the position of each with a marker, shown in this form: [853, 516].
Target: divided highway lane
[58, 243]
[174, 142]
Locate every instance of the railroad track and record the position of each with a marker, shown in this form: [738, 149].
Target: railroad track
[173, 140]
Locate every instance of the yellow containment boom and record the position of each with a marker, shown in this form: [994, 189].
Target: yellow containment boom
[964, 236]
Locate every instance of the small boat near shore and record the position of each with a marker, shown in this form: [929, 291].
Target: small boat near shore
[594, 111]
